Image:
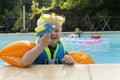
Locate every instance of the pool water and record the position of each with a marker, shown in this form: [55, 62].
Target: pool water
[105, 52]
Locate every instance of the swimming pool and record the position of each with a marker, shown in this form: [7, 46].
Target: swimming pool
[107, 52]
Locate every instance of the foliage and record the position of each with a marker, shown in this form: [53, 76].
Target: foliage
[75, 11]
[18, 24]
[10, 8]
[36, 10]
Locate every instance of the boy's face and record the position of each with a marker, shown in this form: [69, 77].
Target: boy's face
[55, 34]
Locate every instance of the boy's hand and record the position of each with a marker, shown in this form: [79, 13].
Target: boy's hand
[45, 40]
[68, 59]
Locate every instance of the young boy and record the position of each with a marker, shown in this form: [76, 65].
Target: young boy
[50, 49]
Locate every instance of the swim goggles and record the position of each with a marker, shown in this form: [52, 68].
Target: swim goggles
[48, 17]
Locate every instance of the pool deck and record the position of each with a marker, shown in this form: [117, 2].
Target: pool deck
[62, 72]
[86, 32]
[94, 32]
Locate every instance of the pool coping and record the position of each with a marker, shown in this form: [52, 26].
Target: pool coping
[85, 32]
[62, 72]
[94, 32]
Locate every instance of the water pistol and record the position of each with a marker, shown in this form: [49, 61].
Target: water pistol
[43, 29]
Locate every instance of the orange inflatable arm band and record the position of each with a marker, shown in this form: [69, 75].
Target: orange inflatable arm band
[13, 52]
[81, 57]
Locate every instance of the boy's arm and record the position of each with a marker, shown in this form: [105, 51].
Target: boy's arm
[32, 54]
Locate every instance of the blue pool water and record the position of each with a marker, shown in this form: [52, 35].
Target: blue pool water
[105, 52]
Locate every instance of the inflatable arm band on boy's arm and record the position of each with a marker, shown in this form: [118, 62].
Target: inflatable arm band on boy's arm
[13, 52]
[81, 57]
[43, 29]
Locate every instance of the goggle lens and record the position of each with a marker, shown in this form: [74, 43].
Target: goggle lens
[49, 17]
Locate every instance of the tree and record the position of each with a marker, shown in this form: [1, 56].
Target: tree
[10, 8]
[78, 9]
